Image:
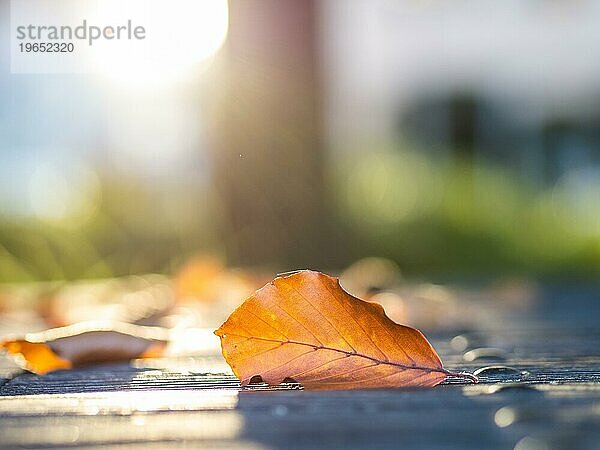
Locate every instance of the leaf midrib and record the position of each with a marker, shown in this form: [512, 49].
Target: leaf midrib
[360, 355]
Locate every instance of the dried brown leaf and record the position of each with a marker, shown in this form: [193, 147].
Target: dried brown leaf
[85, 343]
[305, 327]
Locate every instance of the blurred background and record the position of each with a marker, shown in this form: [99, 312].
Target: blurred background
[457, 139]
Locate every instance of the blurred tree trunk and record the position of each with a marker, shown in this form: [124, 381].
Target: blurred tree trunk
[268, 140]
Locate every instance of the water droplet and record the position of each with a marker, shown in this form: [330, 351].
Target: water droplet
[484, 353]
[499, 370]
[459, 343]
[530, 443]
[505, 416]
[516, 386]
[280, 410]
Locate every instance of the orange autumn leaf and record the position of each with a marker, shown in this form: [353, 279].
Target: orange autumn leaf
[197, 278]
[84, 343]
[305, 327]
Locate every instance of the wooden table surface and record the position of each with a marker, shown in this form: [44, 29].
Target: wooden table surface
[544, 393]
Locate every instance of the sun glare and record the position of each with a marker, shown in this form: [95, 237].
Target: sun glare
[179, 36]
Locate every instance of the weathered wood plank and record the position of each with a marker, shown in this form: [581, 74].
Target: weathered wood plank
[546, 392]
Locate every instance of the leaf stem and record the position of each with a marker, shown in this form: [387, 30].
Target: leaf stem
[463, 375]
